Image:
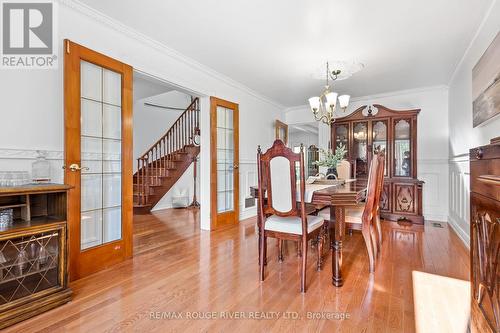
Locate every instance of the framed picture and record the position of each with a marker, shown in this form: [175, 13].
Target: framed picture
[281, 131]
[486, 84]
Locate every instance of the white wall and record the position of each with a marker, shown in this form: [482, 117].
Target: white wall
[32, 100]
[462, 136]
[432, 138]
[296, 138]
[150, 123]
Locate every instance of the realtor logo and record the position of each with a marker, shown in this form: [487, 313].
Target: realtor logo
[28, 34]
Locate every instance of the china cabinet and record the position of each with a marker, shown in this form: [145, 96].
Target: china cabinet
[33, 251]
[485, 237]
[371, 129]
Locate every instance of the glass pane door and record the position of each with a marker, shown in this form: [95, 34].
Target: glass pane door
[360, 152]
[379, 139]
[225, 160]
[101, 144]
[402, 148]
[341, 136]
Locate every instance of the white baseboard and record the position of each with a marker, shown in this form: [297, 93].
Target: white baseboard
[248, 213]
[462, 234]
[436, 217]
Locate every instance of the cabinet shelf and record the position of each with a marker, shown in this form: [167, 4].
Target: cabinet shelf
[25, 275]
[13, 206]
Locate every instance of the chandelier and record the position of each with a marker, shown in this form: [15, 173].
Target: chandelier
[323, 106]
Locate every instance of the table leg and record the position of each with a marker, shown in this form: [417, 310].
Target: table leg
[339, 213]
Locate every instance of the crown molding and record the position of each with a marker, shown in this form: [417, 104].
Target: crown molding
[474, 37]
[134, 34]
[381, 95]
[399, 93]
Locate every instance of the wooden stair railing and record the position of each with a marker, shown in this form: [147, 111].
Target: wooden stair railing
[155, 162]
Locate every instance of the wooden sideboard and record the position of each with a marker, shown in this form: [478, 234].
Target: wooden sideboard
[485, 237]
[364, 132]
[33, 251]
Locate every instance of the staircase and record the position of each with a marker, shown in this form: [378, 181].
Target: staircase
[159, 168]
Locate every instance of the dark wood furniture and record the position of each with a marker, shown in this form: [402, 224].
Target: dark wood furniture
[485, 237]
[33, 252]
[366, 217]
[364, 133]
[281, 216]
[338, 198]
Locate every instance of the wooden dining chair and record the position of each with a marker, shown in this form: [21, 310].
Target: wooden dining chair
[344, 170]
[282, 217]
[366, 217]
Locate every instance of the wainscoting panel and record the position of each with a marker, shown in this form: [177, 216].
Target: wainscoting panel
[248, 177]
[434, 172]
[460, 196]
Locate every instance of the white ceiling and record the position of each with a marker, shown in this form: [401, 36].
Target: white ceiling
[275, 46]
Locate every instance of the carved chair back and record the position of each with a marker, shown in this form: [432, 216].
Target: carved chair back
[374, 188]
[344, 170]
[277, 178]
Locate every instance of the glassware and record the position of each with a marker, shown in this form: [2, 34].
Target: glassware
[2, 261]
[40, 169]
[22, 262]
[43, 256]
[6, 217]
[34, 255]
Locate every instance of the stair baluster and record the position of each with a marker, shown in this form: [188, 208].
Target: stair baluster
[152, 166]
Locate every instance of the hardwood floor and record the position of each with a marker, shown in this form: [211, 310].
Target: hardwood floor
[178, 268]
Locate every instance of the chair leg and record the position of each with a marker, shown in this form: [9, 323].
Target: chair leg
[320, 250]
[280, 250]
[304, 265]
[262, 251]
[258, 246]
[369, 247]
[299, 249]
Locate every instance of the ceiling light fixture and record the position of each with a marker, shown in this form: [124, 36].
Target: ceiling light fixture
[323, 106]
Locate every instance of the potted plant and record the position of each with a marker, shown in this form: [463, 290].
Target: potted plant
[330, 160]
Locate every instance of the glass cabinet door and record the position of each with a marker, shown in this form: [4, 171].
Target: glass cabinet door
[342, 136]
[402, 148]
[379, 139]
[359, 149]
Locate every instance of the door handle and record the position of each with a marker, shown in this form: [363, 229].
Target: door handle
[235, 166]
[75, 167]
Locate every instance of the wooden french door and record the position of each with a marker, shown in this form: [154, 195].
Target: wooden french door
[224, 152]
[98, 159]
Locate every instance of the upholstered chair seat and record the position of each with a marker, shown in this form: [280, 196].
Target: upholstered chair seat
[352, 215]
[292, 224]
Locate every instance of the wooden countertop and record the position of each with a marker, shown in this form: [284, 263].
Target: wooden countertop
[34, 188]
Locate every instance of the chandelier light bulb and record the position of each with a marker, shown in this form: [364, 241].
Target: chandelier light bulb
[331, 100]
[314, 103]
[344, 101]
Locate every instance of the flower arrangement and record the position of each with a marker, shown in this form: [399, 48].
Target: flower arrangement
[330, 159]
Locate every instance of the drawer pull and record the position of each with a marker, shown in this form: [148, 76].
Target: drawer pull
[489, 179]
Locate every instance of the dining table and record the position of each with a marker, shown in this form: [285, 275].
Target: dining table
[338, 197]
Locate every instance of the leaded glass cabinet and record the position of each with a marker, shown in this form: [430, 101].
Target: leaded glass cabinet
[33, 251]
[371, 129]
